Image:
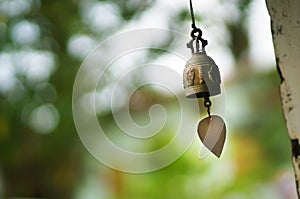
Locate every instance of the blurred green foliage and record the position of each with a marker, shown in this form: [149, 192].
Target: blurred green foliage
[55, 164]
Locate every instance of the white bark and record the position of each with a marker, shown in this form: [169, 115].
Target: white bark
[285, 20]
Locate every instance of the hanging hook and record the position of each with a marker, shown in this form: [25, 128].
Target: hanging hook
[194, 31]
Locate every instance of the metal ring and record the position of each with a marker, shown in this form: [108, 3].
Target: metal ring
[207, 103]
[194, 31]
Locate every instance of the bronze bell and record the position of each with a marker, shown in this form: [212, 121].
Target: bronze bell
[201, 76]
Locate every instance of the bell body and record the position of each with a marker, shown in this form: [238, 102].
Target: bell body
[201, 76]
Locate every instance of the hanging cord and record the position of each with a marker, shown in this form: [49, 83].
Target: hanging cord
[195, 29]
[192, 15]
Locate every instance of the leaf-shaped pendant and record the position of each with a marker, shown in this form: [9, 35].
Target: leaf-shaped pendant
[212, 133]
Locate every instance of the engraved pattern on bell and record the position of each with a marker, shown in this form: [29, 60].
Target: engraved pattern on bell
[201, 76]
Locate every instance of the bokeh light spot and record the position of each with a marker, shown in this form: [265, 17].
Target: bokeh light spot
[44, 119]
[25, 32]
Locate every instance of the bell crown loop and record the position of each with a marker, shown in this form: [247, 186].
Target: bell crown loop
[195, 49]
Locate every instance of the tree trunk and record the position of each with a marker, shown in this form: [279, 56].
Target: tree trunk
[285, 20]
